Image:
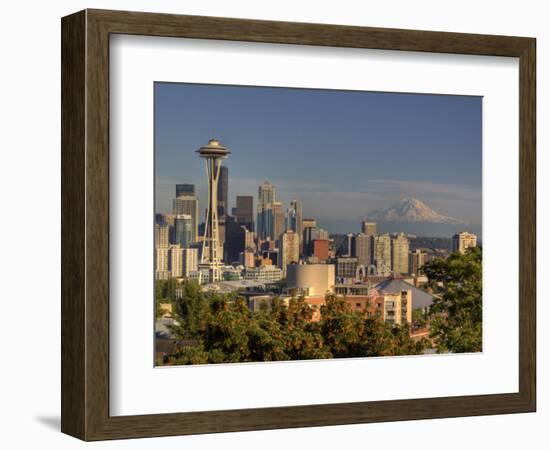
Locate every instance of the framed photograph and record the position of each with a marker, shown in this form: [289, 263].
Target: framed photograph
[273, 225]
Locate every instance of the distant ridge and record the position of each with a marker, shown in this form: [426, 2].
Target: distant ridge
[411, 210]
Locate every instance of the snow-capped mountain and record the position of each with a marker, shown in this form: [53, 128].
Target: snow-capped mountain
[412, 210]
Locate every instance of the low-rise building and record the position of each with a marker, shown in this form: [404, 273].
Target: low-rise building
[346, 267]
[311, 279]
[267, 273]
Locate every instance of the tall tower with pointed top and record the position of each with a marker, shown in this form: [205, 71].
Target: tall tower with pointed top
[213, 153]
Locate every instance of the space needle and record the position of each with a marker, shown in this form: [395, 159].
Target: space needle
[213, 153]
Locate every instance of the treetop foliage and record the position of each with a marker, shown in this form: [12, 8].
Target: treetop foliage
[224, 330]
[220, 328]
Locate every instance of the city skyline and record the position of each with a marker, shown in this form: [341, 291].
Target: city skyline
[294, 228]
[441, 179]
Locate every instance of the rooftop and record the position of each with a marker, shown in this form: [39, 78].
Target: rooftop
[420, 298]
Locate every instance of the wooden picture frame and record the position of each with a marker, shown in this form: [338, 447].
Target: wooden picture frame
[85, 224]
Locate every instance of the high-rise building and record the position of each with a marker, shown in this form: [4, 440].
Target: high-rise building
[176, 261]
[307, 225]
[417, 260]
[289, 249]
[238, 238]
[162, 234]
[319, 233]
[382, 253]
[223, 202]
[362, 249]
[349, 244]
[212, 153]
[188, 204]
[464, 240]
[249, 239]
[266, 194]
[162, 263]
[278, 220]
[271, 255]
[183, 261]
[400, 254]
[222, 229]
[247, 258]
[368, 228]
[265, 246]
[244, 211]
[266, 197]
[319, 249]
[185, 189]
[183, 230]
[170, 220]
[190, 261]
[223, 192]
[294, 217]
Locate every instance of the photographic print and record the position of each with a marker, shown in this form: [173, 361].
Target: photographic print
[299, 224]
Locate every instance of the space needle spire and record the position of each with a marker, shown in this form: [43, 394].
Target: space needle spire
[212, 153]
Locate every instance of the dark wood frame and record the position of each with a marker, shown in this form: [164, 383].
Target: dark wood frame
[85, 224]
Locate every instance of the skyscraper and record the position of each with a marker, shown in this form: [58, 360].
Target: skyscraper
[278, 220]
[307, 226]
[368, 228]
[382, 253]
[244, 211]
[223, 192]
[188, 204]
[464, 240]
[290, 249]
[212, 153]
[319, 233]
[349, 244]
[266, 197]
[400, 254]
[183, 230]
[185, 189]
[294, 217]
[238, 239]
[362, 249]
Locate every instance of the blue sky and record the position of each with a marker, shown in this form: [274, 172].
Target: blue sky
[343, 153]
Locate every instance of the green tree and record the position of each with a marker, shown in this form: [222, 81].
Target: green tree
[221, 328]
[165, 291]
[456, 315]
[225, 335]
[190, 311]
[388, 339]
[342, 328]
[420, 319]
[301, 338]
